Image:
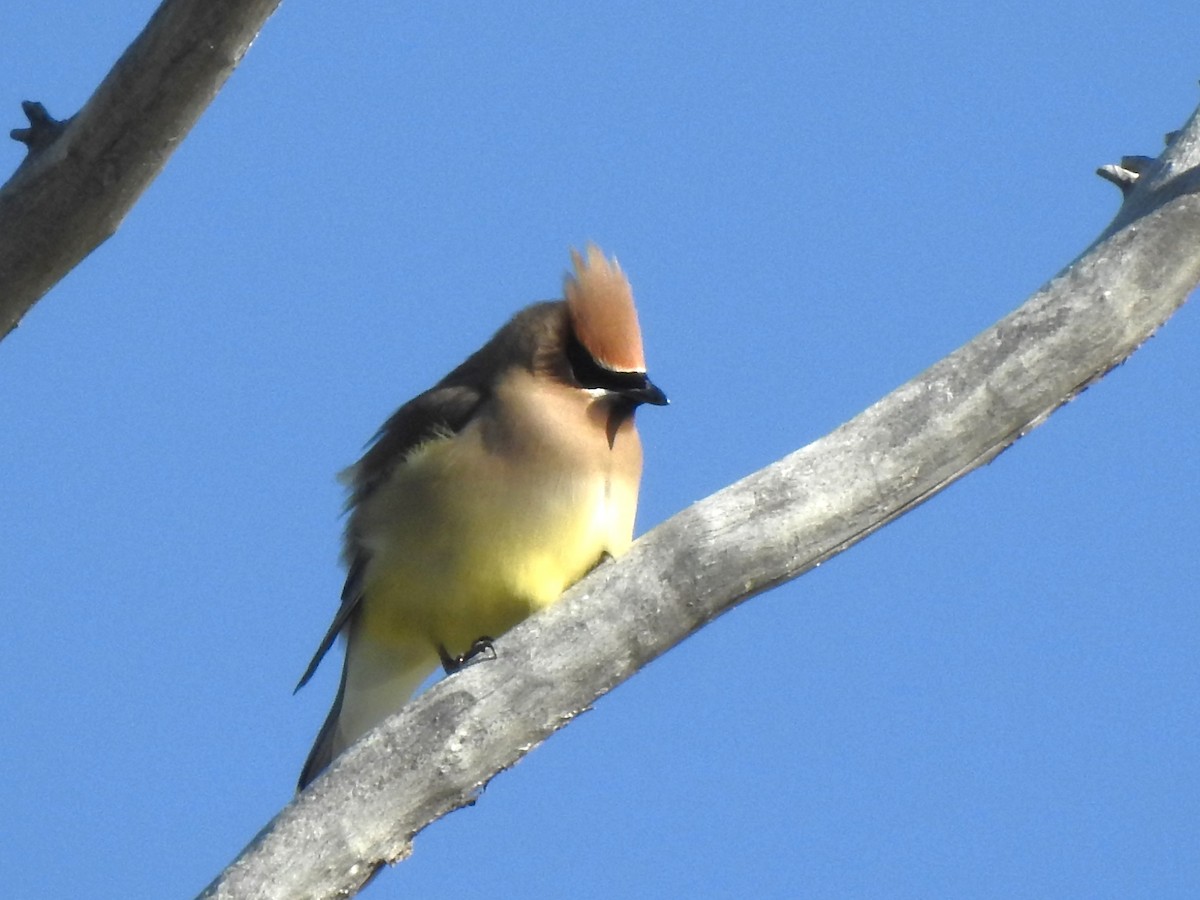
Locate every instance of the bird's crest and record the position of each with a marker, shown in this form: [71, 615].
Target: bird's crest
[603, 317]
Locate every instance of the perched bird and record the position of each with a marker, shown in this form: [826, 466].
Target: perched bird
[481, 500]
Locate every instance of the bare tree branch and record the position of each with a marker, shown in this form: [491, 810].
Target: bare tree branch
[82, 176]
[436, 754]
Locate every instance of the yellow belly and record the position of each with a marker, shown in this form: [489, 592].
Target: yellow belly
[463, 552]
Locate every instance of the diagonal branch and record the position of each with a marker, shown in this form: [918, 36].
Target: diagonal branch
[435, 754]
[82, 176]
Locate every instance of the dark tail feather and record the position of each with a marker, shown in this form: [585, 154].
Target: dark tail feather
[351, 598]
[321, 754]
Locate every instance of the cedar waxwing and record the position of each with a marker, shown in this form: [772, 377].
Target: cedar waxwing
[481, 500]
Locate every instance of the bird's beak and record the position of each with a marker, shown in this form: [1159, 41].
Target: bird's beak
[648, 393]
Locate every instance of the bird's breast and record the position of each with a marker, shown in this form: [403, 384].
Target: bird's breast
[465, 543]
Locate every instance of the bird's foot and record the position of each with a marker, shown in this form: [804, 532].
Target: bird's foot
[604, 557]
[481, 648]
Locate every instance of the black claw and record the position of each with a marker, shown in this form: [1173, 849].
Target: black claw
[43, 128]
[481, 648]
[604, 557]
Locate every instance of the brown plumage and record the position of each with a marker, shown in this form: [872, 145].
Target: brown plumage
[483, 498]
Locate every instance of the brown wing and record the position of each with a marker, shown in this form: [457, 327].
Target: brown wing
[439, 412]
[529, 339]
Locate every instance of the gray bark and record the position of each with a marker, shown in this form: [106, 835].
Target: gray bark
[439, 751]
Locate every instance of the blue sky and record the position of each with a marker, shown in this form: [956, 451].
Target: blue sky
[997, 696]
